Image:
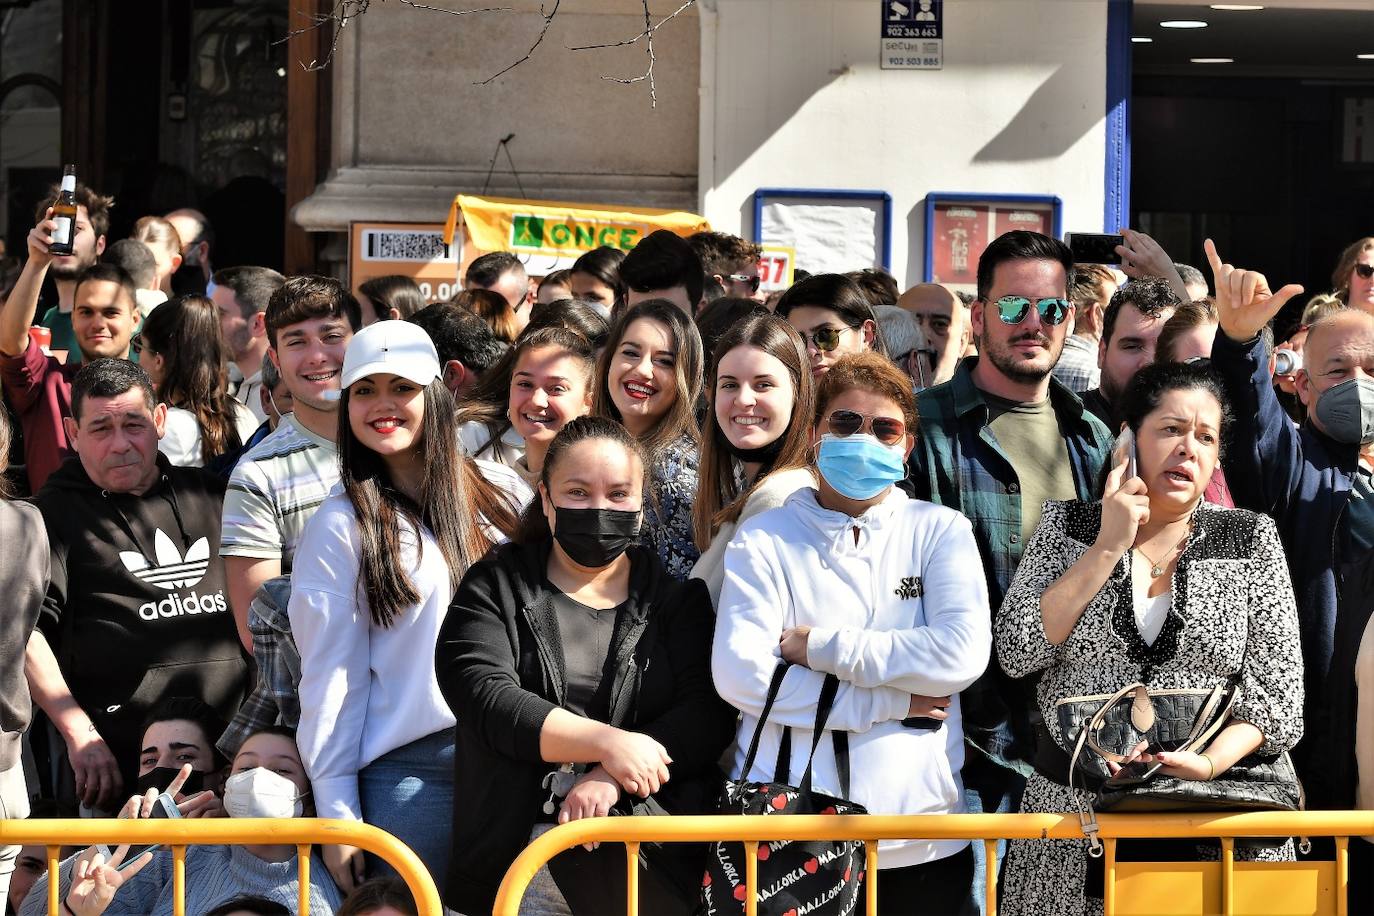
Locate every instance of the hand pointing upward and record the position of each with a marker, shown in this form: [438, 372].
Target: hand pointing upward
[1245, 303]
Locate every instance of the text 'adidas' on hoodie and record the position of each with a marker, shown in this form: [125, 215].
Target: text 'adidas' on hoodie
[137, 609]
[902, 611]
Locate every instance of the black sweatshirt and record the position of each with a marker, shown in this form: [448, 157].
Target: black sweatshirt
[500, 665]
[23, 580]
[137, 609]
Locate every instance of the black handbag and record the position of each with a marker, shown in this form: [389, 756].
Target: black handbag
[823, 878]
[1109, 727]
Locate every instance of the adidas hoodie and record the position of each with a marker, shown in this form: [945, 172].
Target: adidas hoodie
[902, 610]
[137, 609]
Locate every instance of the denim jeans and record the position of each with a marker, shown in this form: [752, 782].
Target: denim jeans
[408, 793]
[988, 789]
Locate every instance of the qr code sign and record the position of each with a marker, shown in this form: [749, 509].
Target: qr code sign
[403, 245]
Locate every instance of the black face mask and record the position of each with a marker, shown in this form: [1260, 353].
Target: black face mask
[594, 538]
[764, 454]
[161, 777]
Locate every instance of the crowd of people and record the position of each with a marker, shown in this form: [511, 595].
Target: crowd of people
[602, 542]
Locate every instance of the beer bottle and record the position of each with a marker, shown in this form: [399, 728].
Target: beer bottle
[64, 214]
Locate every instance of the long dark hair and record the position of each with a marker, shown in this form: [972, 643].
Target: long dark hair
[838, 294]
[455, 500]
[680, 420]
[719, 500]
[534, 525]
[604, 264]
[489, 402]
[186, 334]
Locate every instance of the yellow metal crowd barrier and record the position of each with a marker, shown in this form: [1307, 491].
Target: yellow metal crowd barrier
[178, 834]
[1131, 888]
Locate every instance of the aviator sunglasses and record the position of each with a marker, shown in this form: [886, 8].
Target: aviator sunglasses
[845, 423]
[825, 339]
[1014, 309]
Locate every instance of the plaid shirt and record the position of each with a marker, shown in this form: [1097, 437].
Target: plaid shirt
[274, 700]
[958, 463]
[1077, 366]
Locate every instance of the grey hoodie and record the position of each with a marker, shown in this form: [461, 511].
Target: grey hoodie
[24, 569]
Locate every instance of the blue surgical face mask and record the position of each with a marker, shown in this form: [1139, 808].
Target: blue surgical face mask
[859, 466]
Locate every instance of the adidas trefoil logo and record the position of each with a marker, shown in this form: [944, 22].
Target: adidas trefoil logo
[172, 571]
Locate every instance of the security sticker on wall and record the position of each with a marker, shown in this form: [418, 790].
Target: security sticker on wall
[913, 35]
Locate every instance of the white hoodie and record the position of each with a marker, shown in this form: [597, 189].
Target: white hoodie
[902, 611]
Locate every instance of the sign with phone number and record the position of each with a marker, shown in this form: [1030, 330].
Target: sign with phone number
[913, 35]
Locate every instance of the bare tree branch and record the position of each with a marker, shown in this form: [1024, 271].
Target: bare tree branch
[648, 35]
[548, 21]
[345, 11]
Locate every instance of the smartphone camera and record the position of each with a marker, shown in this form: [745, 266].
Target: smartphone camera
[1093, 247]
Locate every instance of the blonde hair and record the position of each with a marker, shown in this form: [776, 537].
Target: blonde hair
[1321, 305]
[156, 232]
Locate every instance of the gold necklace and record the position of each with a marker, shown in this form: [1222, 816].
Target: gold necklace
[1156, 567]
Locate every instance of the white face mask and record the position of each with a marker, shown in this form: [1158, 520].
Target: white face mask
[261, 793]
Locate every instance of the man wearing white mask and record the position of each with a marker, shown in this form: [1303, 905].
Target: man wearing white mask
[267, 780]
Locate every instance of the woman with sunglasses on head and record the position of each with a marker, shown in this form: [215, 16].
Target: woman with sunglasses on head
[578, 671]
[1149, 584]
[757, 435]
[833, 317]
[371, 584]
[856, 580]
[649, 379]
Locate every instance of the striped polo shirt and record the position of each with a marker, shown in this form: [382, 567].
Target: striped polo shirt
[275, 489]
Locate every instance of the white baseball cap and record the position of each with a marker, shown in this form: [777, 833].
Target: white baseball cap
[391, 348]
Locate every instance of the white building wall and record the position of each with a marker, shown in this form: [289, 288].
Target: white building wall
[792, 96]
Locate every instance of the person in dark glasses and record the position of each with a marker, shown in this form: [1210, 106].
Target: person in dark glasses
[833, 316]
[1131, 325]
[998, 440]
[1353, 279]
[730, 261]
[853, 578]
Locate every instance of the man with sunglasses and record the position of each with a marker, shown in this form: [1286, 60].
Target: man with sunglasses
[997, 440]
[730, 261]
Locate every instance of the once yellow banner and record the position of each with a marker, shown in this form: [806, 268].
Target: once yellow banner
[550, 230]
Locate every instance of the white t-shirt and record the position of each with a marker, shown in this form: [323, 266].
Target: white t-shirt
[476, 440]
[180, 440]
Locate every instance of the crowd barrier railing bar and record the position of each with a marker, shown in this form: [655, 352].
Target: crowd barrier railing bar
[178, 834]
[1225, 886]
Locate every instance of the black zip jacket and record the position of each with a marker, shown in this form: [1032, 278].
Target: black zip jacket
[136, 609]
[500, 665]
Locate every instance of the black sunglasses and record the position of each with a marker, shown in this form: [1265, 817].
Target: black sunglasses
[1365, 271]
[826, 339]
[845, 423]
[1014, 309]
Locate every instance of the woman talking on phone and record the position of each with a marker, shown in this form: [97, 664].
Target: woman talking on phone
[1149, 585]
